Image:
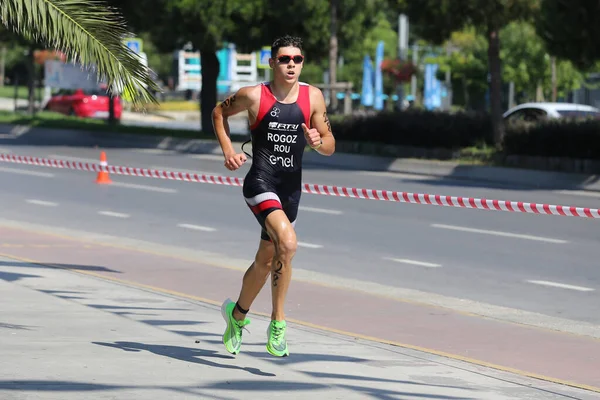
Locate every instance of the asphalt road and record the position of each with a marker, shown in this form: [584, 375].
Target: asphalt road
[537, 263]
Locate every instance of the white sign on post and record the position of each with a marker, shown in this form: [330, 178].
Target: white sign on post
[61, 75]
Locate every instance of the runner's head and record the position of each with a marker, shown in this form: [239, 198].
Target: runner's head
[287, 58]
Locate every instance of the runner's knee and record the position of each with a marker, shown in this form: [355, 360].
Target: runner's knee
[286, 244]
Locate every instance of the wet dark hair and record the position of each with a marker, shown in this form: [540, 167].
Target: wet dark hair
[285, 41]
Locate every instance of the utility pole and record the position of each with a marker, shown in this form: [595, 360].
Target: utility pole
[402, 54]
[333, 54]
[554, 88]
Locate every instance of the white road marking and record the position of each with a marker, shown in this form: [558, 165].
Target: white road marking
[153, 151]
[197, 227]
[76, 159]
[399, 175]
[41, 203]
[497, 233]
[310, 245]
[27, 172]
[578, 193]
[413, 262]
[320, 210]
[562, 286]
[185, 171]
[144, 187]
[113, 214]
[211, 157]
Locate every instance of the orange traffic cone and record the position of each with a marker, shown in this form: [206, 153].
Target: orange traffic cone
[103, 177]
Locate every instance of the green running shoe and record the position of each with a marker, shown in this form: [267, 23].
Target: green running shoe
[232, 338]
[276, 343]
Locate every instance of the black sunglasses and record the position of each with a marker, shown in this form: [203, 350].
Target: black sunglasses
[285, 59]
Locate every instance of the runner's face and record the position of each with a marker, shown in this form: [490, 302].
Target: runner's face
[288, 63]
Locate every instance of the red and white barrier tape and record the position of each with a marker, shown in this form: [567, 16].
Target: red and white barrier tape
[370, 194]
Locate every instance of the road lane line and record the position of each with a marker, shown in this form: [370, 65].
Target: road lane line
[498, 233]
[144, 187]
[197, 227]
[184, 171]
[113, 214]
[413, 262]
[310, 245]
[154, 151]
[41, 203]
[320, 210]
[398, 175]
[27, 172]
[210, 157]
[562, 286]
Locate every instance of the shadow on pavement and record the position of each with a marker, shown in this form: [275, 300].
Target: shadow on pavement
[187, 354]
[194, 390]
[59, 266]
[357, 378]
[386, 394]
[13, 277]
[4, 325]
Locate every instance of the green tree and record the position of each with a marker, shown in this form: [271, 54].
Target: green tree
[570, 29]
[12, 47]
[527, 63]
[435, 20]
[88, 32]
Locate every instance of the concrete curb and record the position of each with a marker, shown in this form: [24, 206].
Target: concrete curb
[25, 135]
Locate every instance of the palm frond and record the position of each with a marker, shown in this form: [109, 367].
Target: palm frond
[88, 32]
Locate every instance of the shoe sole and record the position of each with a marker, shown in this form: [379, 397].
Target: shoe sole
[277, 355]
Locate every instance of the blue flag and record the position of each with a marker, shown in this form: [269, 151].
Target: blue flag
[379, 77]
[366, 98]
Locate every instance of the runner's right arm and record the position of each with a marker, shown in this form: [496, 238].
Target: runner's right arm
[240, 101]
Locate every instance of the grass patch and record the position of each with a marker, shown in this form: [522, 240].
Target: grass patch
[46, 119]
[22, 92]
[174, 106]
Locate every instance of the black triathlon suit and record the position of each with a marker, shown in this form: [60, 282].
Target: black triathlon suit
[274, 181]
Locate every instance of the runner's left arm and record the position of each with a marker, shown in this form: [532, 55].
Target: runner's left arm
[320, 121]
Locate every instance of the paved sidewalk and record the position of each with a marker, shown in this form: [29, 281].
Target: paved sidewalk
[65, 335]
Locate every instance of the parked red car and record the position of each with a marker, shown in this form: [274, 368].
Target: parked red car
[83, 103]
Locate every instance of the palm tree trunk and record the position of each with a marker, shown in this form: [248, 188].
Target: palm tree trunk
[2, 65]
[31, 80]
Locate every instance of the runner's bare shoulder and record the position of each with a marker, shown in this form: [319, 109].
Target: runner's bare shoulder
[245, 98]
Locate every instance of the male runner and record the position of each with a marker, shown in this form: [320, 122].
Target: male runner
[285, 115]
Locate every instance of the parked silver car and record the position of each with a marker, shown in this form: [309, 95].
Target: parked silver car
[533, 112]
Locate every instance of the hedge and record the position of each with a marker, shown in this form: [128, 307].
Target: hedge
[416, 128]
[454, 131]
[555, 138]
